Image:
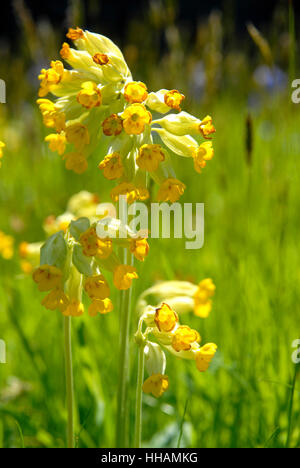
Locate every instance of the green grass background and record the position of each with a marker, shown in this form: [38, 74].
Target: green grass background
[251, 251]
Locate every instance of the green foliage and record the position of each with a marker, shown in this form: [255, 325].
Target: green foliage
[54, 250]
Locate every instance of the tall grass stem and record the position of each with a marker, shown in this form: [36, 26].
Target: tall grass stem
[69, 383]
[124, 363]
[139, 397]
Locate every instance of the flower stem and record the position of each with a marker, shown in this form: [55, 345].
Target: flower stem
[290, 409]
[69, 382]
[122, 406]
[139, 393]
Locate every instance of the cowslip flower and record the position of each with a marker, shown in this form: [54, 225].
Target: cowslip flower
[75, 260]
[180, 340]
[156, 384]
[123, 276]
[98, 102]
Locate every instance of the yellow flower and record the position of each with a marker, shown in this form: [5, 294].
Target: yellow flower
[78, 135]
[206, 127]
[50, 77]
[74, 309]
[112, 125]
[156, 384]
[97, 287]
[125, 188]
[6, 246]
[47, 277]
[90, 95]
[170, 190]
[173, 99]
[165, 318]
[100, 59]
[135, 117]
[74, 34]
[76, 162]
[56, 299]
[112, 166]
[100, 306]
[202, 154]
[52, 117]
[149, 157]
[183, 338]
[57, 142]
[135, 91]
[204, 356]
[93, 246]
[202, 301]
[123, 276]
[139, 248]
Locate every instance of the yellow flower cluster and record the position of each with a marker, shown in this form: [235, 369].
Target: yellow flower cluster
[6, 246]
[182, 341]
[74, 259]
[98, 100]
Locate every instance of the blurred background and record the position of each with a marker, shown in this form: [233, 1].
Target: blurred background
[235, 61]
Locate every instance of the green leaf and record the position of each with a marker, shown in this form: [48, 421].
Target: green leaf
[81, 262]
[78, 227]
[54, 251]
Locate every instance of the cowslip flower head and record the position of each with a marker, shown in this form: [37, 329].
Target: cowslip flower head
[79, 254]
[156, 384]
[100, 93]
[123, 276]
[47, 277]
[163, 323]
